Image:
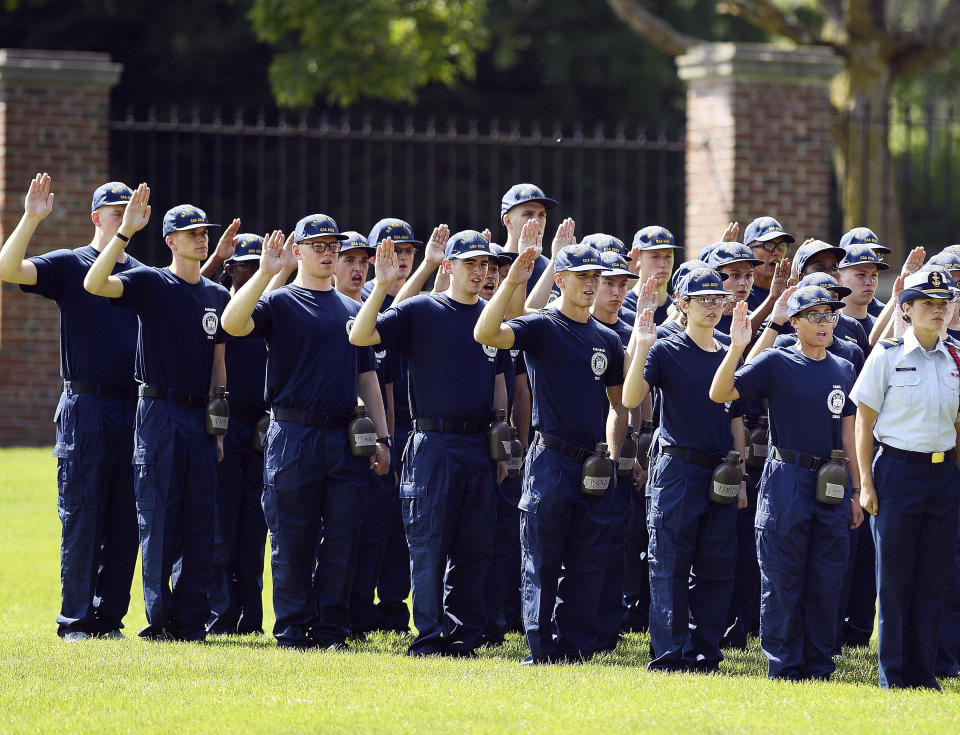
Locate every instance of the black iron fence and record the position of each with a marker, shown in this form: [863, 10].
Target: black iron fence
[271, 168]
[920, 158]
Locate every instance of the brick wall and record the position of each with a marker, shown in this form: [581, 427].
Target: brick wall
[54, 115]
[758, 138]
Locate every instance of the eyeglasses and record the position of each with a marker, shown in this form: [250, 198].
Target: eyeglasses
[773, 247]
[323, 247]
[817, 317]
[710, 300]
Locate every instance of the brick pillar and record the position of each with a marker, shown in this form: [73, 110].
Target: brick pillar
[758, 138]
[54, 117]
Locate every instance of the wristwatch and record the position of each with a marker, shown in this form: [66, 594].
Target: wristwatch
[386, 441]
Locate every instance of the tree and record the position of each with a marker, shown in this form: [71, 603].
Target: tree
[384, 49]
[879, 43]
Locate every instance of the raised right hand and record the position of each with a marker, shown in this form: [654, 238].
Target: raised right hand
[564, 236]
[437, 245]
[39, 200]
[522, 268]
[740, 330]
[731, 233]
[385, 267]
[645, 329]
[914, 261]
[529, 236]
[137, 212]
[271, 259]
[779, 312]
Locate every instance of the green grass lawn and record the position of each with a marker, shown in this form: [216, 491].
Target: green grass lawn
[246, 684]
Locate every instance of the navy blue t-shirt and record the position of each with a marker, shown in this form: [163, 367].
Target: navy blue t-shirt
[397, 363]
[839, 347]
[539, 266]
[670, 328]
[756, 297]
[682, 371]
[451, 375]
[311, 364]
[97, 342]
[246, 361]
[570, 365]
[659, 314]
[179, 326]
[806, 398]
[867, 322]
[875, 307]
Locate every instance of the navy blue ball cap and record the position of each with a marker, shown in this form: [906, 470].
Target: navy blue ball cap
[185, 217]
[862, 255]
[707, 251]
[863, 236]
[317, 225]
[523, 193]
[764, 229]
[467, 244]
[684, 268]
[805, 252]
[702, 282]
[654, 237]
[247, 246]
[502, 256]
[603, 243]
[947, 260]
[615, 265]
[729, 253]
[578, 257]
[113, 192]
[825, 281]
[929, 283]
[807, 297]
[396, 229]
[354, 240]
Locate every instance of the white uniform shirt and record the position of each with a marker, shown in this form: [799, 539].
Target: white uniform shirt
[914, 392]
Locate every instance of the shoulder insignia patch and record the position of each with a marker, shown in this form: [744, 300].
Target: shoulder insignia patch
[891, 342]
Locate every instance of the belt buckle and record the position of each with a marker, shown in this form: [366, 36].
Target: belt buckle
[937, 457]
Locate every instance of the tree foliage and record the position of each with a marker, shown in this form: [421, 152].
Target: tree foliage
[385, 49]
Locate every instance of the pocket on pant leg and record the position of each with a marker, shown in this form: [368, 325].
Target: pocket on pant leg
[269, 500]
[145, 478]
[70, 487]
[766, 532]
[413, 502]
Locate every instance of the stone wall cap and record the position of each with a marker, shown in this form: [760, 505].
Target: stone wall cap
[759, 61]
[58, 67]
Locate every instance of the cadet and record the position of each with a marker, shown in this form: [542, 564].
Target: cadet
[655, 258]
[907, 398]
[769, 243]
[816, 256]
[692, 540]
[802, 543]
[447, 485]
[736, 262]
[606, 308]
[860, 272]
[180, 360]
[866, 236]
[393, 581]
[349, 278]
[98, 548]
[236, 587]
[313, 485]
[564, 532]
[520, 204]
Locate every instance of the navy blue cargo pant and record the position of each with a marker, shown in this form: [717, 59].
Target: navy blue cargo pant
[95, 502]
[313, 493]
[236, 586]
[449, 513]
[564, 536]
[175, 480]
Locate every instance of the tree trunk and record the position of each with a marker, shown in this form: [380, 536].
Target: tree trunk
[862, 160]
